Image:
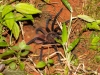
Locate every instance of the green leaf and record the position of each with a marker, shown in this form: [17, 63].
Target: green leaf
[28, 16]
[7, 9]
[98, 22]
[24, 53]
[58, 40]
[8, 16]
[97, 57]
[26, 8]
[2, 39]
[94, 42]
[3, 44]
[22, 45]
[6, 53]
[18, 16]
[9, 23]
[9, 20]
[40, 64]
[24, 48]
[67, 4]
[22, 66]
[23, 17]
[86, 18]
[16, 30]
[15, 48]
[1, 8]
[7, 61]
[13, 65]
[64, 34]
[50, 61]
[66, 71]
[93, 25]
[73, 44]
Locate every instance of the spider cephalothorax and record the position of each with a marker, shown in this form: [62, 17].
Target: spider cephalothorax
[50, 37]
[46, 37]
[49, 34]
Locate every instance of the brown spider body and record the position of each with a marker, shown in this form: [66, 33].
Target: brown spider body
[48, 35]
[48, 38]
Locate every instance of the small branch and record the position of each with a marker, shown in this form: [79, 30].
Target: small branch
[21, 26]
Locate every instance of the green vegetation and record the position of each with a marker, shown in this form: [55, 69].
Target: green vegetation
[92, 8]
[14, 55]
[10, 17]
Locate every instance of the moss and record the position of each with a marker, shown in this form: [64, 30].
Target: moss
[92, 8]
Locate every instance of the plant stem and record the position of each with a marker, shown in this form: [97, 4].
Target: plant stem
[69, 27]
[11, 39]
[18, 56]
[65, 46]
[68, 56]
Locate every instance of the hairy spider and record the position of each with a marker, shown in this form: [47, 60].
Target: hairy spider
[48, 35]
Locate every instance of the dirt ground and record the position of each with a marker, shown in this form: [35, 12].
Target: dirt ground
[81, 51]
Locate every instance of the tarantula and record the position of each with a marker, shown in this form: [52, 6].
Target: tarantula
[47, 36]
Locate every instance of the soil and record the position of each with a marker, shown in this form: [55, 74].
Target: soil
[81, 51]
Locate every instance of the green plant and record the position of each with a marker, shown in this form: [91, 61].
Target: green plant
[93, 25]
[64, 41]
[10, 17]
[66, 46]
[11, 14]
[14, 55]
[43, 64]
[94, 42]
[67, 4]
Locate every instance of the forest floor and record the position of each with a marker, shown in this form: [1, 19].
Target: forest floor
[82, 51]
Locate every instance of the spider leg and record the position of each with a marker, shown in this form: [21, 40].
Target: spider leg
[41, 30]
[55, 48]
[57, 28]
[47, 23]
[41, 51]
[67, 21]
[34, 40]
[53, 23]
[59, 33]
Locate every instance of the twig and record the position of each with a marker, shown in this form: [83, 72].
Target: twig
[21, 26]
[32, 67]
[79, 66]
[50, 56]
